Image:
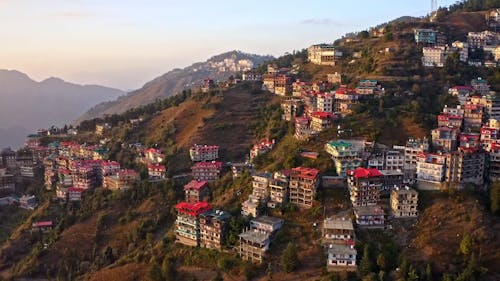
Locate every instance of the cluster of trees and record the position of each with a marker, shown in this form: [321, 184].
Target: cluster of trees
[474, 5]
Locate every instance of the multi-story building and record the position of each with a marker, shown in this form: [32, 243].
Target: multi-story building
[390, 180]
[482, 39]
[321, 121]
[325, 102]
[394, 160]
[207, 85]
[404, 202]
[469, 140]
[450, 120]
[364, 186]
[323, 54]
[213, 229]
[278, 188]
[337, 230]
[187, 224]
[344, 155]
[371, 216]
[303, 130]
[251, 206]
[196, 191]
[345, 100]
[268, 81]
[430, 170]
[435, 56]
[341, 258]
[303, 184]
[75, 194]
[200, 152]
[462, 93]
[292, 107]
[283, 85]
[6, 180]
[465, 166]
[473, 116]
[262, 147]
[426, 36]
[64, 177]
[493, 20]
[253, 245]
[444, 138]
[488, 136]
[84, 176]
[463, 50]
[206, 171]
[334, 78]
[154, 156]
[156, 172]
[480, 86]
[124, 179]
[301, 87]
[260, 185]
[267, 224]
[251, 76]
[494, 161]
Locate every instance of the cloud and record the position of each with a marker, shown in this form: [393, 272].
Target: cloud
[324, 21]
[71, 15]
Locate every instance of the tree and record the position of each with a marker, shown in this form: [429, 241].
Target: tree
[381, 261]
[154, 272]
[218, 277]
[289, 260]
[269, 271]
[466, 245]
[495, 197]
[381, 275]
[364, 34]
[168, 269]
[365, 265]
[428, 272]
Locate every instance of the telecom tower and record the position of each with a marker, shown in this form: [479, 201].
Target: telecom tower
[434, 7]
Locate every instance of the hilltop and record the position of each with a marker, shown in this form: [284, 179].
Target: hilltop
[218, 67]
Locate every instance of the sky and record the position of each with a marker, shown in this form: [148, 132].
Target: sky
[125, 43]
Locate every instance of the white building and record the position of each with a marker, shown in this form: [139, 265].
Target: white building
[323, 54]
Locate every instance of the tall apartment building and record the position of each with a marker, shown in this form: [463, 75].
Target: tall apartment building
[187, 224]
[404, 202]
[205, 152]
[444, 138]
[213, 229]
[430, 170]
[344, 156]
[325, 102]
[364, 186]
[323, 54]
[196, 191]
[206, 171]
[303, 184]
[278, 188]
[466, 165]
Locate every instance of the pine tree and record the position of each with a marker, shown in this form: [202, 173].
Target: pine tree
[428, 273]
[269, 271]
[154, 272]
[466, 245]
[168, 269]
[289, 260]
[381, 261]
[365, 265]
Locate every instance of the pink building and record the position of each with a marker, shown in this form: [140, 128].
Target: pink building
[156, 171]
[196, 191]
[262, 147]
[208, 171]
[75, 194]
[199, 152]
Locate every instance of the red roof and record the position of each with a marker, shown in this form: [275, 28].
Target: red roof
[447, 116]
[195, 185]
[157, 167]
[42, 223]
[361, 172]
[304, 172]
[322, 115]
[75, 189]
[213, 164]
[193, 209]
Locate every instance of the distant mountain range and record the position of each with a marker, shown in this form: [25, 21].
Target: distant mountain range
[26, 105]
[218, 67]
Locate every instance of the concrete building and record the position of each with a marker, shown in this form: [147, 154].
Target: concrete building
[425, 36]
[124, 179]
[465, 166]
[206, 171]
[325, 102]
[344, 156]
[321, 121]
[364, 186]
[430, 170]
[205, 152]
[444, 138]
[303, 184]
[404, 202]
[278, 189]
[371, 216]
[187, 224]
[196, 191]
[253, 245]
[435, 56]
[323, 54]
[338, 231]
[213, 229]
[341, 258]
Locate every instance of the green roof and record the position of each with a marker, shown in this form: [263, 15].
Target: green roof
[339, 144]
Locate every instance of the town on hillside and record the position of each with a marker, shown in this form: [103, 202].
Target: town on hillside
[363, 192]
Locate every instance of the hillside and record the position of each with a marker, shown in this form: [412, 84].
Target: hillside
[218, 67]
[130, 235]
[27, 105]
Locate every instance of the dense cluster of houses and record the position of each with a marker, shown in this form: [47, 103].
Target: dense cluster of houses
[481, 48]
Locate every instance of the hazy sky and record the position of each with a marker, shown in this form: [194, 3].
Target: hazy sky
[125, 43]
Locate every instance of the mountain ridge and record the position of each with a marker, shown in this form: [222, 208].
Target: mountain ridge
[52, 101]
[178, 79]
